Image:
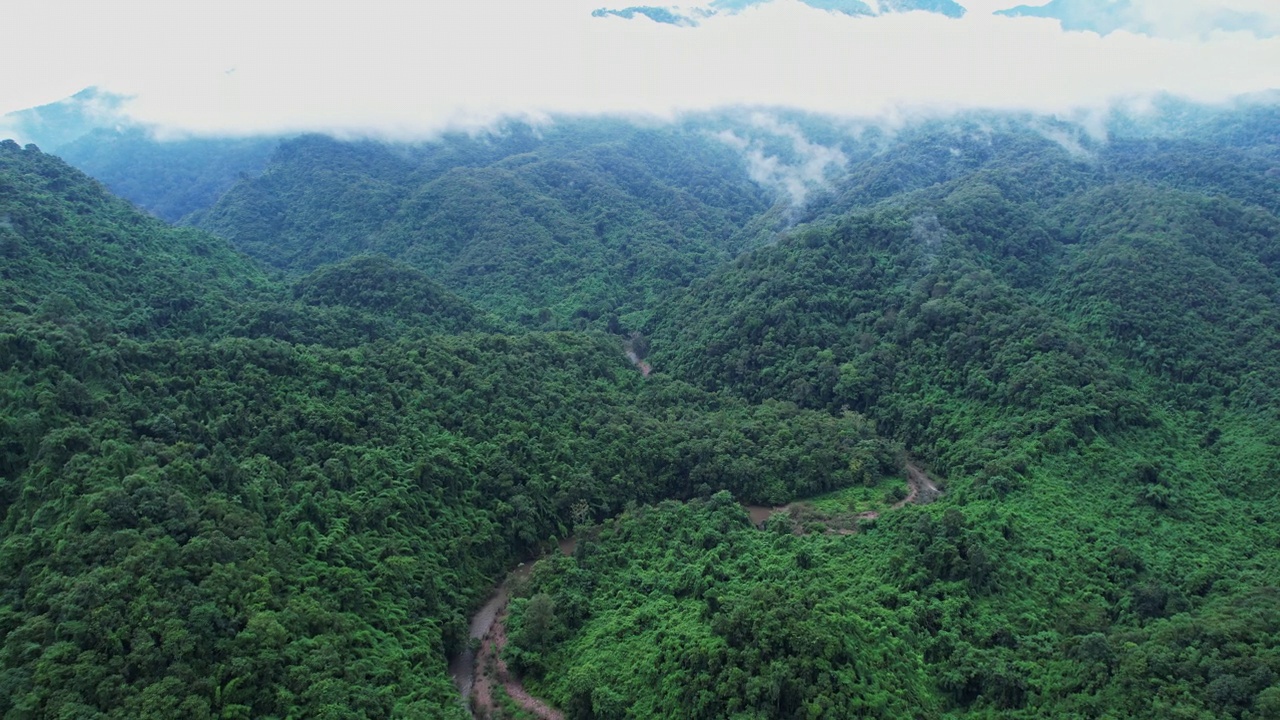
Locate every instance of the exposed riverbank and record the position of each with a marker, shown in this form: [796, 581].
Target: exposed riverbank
[479, 667]
[921, 491]
[462, 666]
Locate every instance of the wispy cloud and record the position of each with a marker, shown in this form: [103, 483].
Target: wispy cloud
[400, 68]
[796, 168]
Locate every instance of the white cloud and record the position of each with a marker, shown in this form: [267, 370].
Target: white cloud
[807, 167]
[406, 67]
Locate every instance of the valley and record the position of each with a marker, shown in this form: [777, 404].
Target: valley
[271, 455]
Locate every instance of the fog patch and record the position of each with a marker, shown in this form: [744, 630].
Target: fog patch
[413, 70]
[1186, 19]
[1066, 137]
[928, 235]
[781, 158]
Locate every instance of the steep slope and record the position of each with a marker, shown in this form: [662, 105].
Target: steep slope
[60, 123]
[76, 254]
[71, 250]
[171, 178]
[1233, 151]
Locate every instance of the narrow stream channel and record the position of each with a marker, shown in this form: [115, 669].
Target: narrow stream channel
[462, 666]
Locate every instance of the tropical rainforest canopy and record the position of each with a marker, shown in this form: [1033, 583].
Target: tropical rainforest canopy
[264, 450]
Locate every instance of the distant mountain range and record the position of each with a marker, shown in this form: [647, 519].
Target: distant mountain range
[690, 17]
[1100, 16]
[1108, 16]
[170, 178]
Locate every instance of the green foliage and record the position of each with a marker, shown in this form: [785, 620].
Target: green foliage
[887, 315]
[688, 611]
[1088, 359]
[73, 253]
[282, 513]
[284, 501]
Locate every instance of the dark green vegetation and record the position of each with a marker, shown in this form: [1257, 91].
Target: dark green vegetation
[235, 492]
[72, 252]
[718, 619]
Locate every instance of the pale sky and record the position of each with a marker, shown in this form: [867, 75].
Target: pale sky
[403, 67]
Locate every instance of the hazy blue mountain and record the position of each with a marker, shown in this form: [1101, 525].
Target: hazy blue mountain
[675, 15]
[1108, 16]
[942, 7]
[53, 126]
[170, 178]
[664, 15]
[1251, 122]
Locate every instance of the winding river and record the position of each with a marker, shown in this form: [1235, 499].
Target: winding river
[462, 666]
[922, 491]
[488, 627]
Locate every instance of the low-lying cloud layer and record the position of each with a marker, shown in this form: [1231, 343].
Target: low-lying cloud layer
[403, 69]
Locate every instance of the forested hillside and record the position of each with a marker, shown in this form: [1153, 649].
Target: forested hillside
[1087, 359]
[269, 467]
[74, 252]
[170, 179]
[284, 501]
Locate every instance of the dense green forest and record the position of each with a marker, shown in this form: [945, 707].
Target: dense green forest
[1094, 372]
[268, 466]
[259, 508]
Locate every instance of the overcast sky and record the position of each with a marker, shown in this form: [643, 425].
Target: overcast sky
[410, 67]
